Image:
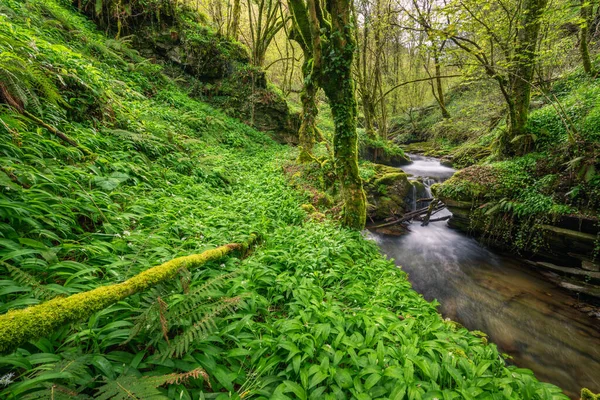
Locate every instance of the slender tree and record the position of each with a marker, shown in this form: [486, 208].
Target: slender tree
[234, 21]
[522, 69]
[503, 41]
[307, 132]
[584, 35]
[265, 21]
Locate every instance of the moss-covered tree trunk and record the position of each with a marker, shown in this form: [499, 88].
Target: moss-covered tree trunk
[330, 36]
[439, 86]
[338, 85]
[345, 146]
[584, 33]
[306, 134]
[370, 115]
[523, 69]
[235, 19]
[300, 33]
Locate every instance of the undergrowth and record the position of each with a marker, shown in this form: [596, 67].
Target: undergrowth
[312, 312]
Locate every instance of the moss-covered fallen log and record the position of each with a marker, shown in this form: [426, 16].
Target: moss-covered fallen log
[20, 326]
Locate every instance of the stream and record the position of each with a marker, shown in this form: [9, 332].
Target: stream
[528, 317]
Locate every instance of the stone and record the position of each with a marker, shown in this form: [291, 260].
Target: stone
[386, 192]
[590, 266]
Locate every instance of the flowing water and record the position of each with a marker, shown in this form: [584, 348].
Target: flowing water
[524, 314]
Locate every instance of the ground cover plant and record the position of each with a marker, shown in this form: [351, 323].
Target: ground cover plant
[312, 311]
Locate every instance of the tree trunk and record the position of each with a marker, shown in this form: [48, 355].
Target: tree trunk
[235, 19]
[336, 80]
[369, 112]
[308, 97]
[523, 69]
[440, 89]
[586, 16]
[345, 147]
[332, 47]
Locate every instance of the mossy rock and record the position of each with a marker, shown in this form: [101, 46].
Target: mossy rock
[383, 152]
[386, 192]
[220, 74]
[390, 179]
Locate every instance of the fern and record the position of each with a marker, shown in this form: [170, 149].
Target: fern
[22, 84]
[201, 328]
[25, 279]
[191, 316]
[128, 387]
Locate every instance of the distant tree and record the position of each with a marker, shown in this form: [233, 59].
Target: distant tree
[234, 20]
[265, 21]
[586, 20]
[502, 37]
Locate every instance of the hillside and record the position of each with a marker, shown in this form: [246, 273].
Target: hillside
[109, 167]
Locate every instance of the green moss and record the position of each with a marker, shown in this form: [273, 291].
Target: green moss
[390, 179]
[20, 326]
[587, 394]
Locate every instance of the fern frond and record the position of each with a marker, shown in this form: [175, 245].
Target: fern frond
[25, 279]
[164, 324]
[22, 83]
[201, 328]
[177, 378]
[128, 387]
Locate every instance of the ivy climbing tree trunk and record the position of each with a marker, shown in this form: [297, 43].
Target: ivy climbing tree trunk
[332, 44]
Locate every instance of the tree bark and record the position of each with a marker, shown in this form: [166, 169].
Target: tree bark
[440, 89]
[345, 148]
[306, 133]
[332, 45]
[522, 71]
[586, 16]
[301, 34]
[235, 19]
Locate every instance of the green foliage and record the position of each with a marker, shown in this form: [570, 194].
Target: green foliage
[314, 311]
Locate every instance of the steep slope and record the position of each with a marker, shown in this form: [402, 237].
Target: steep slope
[109, 168]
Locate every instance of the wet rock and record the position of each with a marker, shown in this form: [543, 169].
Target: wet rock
[446, 161]
[383, 156]
[590, 266]
[386, 192]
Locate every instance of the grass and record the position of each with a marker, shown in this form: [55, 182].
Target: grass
[313, 312]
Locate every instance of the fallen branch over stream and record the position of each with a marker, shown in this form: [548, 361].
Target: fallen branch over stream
[20, 326]
[414, 215]
[430, 209]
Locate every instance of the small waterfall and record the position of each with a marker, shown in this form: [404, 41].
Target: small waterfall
[427, 182]
[413, 197]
